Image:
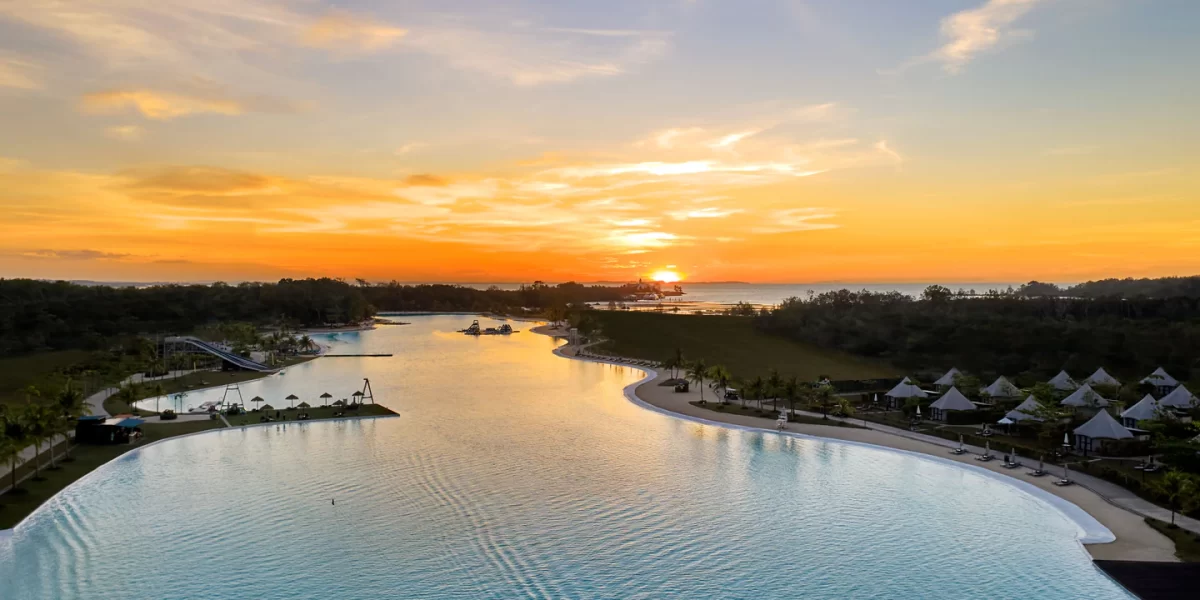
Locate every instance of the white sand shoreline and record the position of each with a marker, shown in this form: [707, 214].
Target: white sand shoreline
[1106, 531]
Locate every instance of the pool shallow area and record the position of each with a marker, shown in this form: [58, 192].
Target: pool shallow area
[513, 473]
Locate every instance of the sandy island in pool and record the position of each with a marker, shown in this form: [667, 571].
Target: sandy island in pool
[1135, 539]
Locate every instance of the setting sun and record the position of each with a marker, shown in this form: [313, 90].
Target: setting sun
[666, 276]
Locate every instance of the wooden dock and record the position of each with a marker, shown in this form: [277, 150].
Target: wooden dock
[354, 355]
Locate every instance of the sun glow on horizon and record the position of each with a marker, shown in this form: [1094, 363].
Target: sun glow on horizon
[666, 276]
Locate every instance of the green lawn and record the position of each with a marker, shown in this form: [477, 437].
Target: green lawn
[314, 414]
[49, 370]
[14, 506]
[1187, 544]
[768, 415]
[730, 341]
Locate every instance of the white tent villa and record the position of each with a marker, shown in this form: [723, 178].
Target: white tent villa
[1002, 388]
[1179, 398]
[1023, 411]
[951, 400]
[1146, 409]
[1063, 382]
[947, 380]
[1101, 427]
[1163, 383]
[1101, 377]
[1085, 397]
[903, 391]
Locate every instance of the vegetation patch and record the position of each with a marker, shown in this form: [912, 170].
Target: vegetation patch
[1187, 544]
[766, 413]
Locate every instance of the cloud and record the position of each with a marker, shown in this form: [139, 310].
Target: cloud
[971, 32]
[18, 74]
[425, 179]
[342, 31]
[883, 147]
[536, 57]
[125, 133]
[1070, 150]
[72, 254]
[790, 220]
[160, 106]
[709, 212]
[206, 180]
[409, 147]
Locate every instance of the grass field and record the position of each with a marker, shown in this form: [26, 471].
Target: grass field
[730, 341]
[314, 413]
[47, 371]
[1187, 544]
[14, 506]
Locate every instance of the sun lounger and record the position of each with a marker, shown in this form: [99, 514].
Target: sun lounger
[1011, 465]
[1063, 482]
[1037, 473]
[958, 451]
[984, 458]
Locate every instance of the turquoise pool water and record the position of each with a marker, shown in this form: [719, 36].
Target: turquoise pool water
[512, 473]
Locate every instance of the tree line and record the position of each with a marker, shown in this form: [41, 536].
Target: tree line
[1031, 337]
[57, 315]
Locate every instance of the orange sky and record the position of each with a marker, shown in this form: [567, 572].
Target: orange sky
[260, 139]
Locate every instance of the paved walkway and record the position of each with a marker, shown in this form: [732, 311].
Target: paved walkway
[1110, 492]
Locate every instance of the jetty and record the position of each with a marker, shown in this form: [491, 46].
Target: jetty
[354, 355]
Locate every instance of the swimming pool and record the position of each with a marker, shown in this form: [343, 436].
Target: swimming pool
[511, 472]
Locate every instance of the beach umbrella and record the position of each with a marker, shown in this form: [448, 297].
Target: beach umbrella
[268, 407]
[357, 397]
[292, 398]
[256, 400]
[960, 441]
[326, 396]
[918, 412]
[303, 405]
[875, 400]
[987, 447]
[1013, 456]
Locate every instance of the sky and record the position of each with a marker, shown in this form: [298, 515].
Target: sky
[487, 140]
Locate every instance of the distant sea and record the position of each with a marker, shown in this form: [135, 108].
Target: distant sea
[770, 294]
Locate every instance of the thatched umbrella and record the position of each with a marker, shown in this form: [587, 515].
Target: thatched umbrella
[268, 407]
[326, 396]
[357, 397]
[303, 405]
[292, 398]
[256, 400]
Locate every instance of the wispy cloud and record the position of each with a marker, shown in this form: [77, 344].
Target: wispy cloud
[72, 254]
[125, 133]
[971, 32]
[341, 30]
[19, 74]
[883, 147]
[790, 220]
[157, 105]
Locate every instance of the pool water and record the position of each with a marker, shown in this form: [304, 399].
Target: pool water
[513, 473]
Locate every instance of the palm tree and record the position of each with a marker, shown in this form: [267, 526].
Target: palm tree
[719, 377]
[774, 384]
[37, 426]
[13, 438]
[697, 373]
[159, 391]
[677, 362]
[307, 343]
[824, 395]
[755, 389]
[1176, 486]
[791, 391]
[70, 407]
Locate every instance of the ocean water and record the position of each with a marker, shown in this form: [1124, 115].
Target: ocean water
[513, 473]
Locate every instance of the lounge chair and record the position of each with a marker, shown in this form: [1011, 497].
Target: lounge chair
[984, 458]
[1150, 469]
[1037, 473]
[1011, 464]
[1063, 482]
[958, 451]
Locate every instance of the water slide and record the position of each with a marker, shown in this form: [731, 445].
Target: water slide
[226, 356]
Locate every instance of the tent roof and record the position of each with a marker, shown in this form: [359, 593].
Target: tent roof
[1101, 377]
[1103, 426]
[1063, 381]
[1160, 377]
[1180, 397]
[953, 400]
[1002, 388]
[905, 389]
[1021, 412]
[126, 422]
[1085, 396]
[948, 378]
[1144, 410]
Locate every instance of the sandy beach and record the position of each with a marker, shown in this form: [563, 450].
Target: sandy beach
[1135, 540]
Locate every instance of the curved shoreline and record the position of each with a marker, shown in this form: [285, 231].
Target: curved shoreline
[7, 534]
[1105, 531]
